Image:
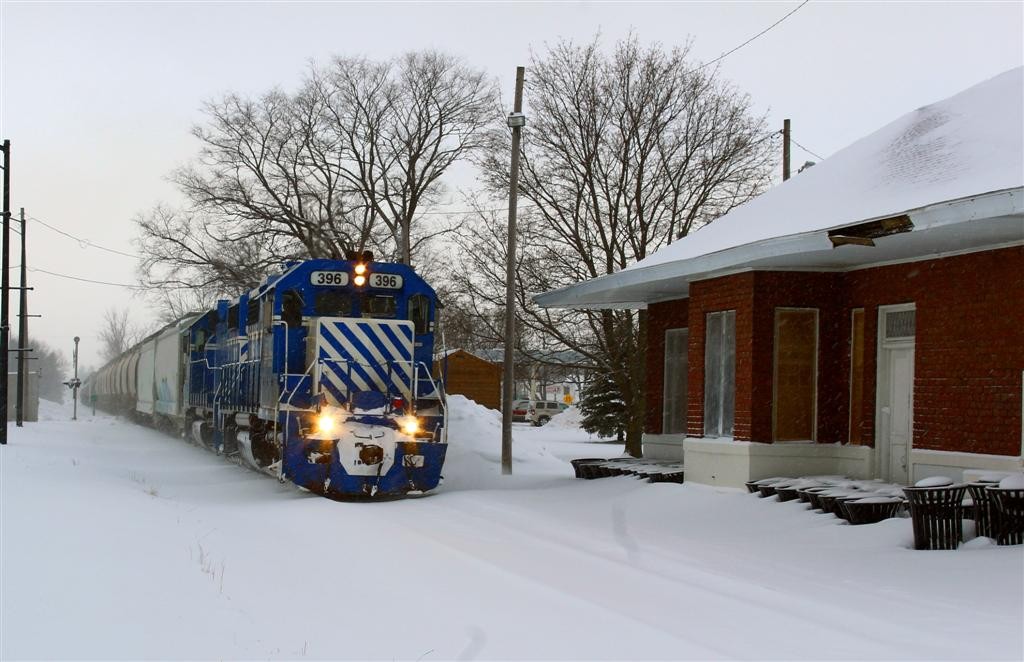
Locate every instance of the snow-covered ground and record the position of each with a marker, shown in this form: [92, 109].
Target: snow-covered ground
[121, 542]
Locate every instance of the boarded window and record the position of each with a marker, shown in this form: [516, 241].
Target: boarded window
[720, 373]
[796, 374]
[673, 420]
[857, 376]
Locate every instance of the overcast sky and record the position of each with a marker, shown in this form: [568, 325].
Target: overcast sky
[97, 99]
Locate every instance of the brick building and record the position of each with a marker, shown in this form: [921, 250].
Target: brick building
[865, 317]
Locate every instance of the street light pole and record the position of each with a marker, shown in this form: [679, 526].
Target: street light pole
[516, 121]
[74, 384]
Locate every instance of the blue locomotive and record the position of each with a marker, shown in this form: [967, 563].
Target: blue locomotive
[321, 375]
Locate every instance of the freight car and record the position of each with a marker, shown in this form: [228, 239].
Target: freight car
[320, 375]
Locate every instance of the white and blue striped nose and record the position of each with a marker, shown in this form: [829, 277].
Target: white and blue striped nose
[357, 356]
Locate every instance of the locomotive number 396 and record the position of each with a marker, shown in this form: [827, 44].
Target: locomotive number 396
[329, 278]
[386, 281]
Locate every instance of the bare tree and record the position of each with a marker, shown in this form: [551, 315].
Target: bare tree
[624, 154]
[174, 304]
[52, 366]
[117, 334]
[348, 162]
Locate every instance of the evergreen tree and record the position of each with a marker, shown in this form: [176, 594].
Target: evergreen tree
[603, 408]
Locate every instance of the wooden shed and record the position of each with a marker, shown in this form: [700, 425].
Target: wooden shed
[469, 375]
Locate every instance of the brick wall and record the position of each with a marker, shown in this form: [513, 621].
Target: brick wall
[968, 350]
[969, 347]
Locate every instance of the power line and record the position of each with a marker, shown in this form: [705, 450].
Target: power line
[84, 243]
[106, 282]
[792, 140]
[87, 280]
[728, 53]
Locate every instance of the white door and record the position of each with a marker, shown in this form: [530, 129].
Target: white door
[895, 393]
[897, 410]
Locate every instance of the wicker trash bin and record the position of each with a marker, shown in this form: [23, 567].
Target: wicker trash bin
[1008, 504]
[937, 515]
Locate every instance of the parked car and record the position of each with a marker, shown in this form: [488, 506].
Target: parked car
[520, 410]
[541, 411]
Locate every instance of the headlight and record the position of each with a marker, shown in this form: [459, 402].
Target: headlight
[410, 425]
[359, 280]
[326, 424]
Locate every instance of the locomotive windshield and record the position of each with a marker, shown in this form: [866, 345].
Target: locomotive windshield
[333, 303]
[379, 305]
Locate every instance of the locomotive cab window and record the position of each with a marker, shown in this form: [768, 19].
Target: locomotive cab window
[233, 317]
[419, 313]
[332, 303]
[379, 305]
[291, 309]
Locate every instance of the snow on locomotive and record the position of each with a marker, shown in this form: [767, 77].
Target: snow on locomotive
[321, 375]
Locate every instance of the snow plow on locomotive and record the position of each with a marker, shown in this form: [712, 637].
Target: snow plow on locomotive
[321, 375]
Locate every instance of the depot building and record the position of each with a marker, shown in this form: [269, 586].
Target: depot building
[865, 317]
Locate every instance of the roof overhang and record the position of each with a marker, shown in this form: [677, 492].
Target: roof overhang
[979, 222]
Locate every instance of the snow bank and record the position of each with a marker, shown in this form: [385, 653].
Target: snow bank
[474, 450]
[53, 411]
[570, 418]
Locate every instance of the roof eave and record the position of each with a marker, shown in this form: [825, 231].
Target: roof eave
[613, 290]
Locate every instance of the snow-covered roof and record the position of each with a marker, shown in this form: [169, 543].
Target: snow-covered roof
[934, 164]
[565, 357]
[439, 356]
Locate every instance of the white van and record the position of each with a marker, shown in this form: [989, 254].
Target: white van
[541, 411]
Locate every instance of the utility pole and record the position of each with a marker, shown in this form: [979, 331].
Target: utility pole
[516, 120]
[785, 150]
[5, 288]
[22, 330]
